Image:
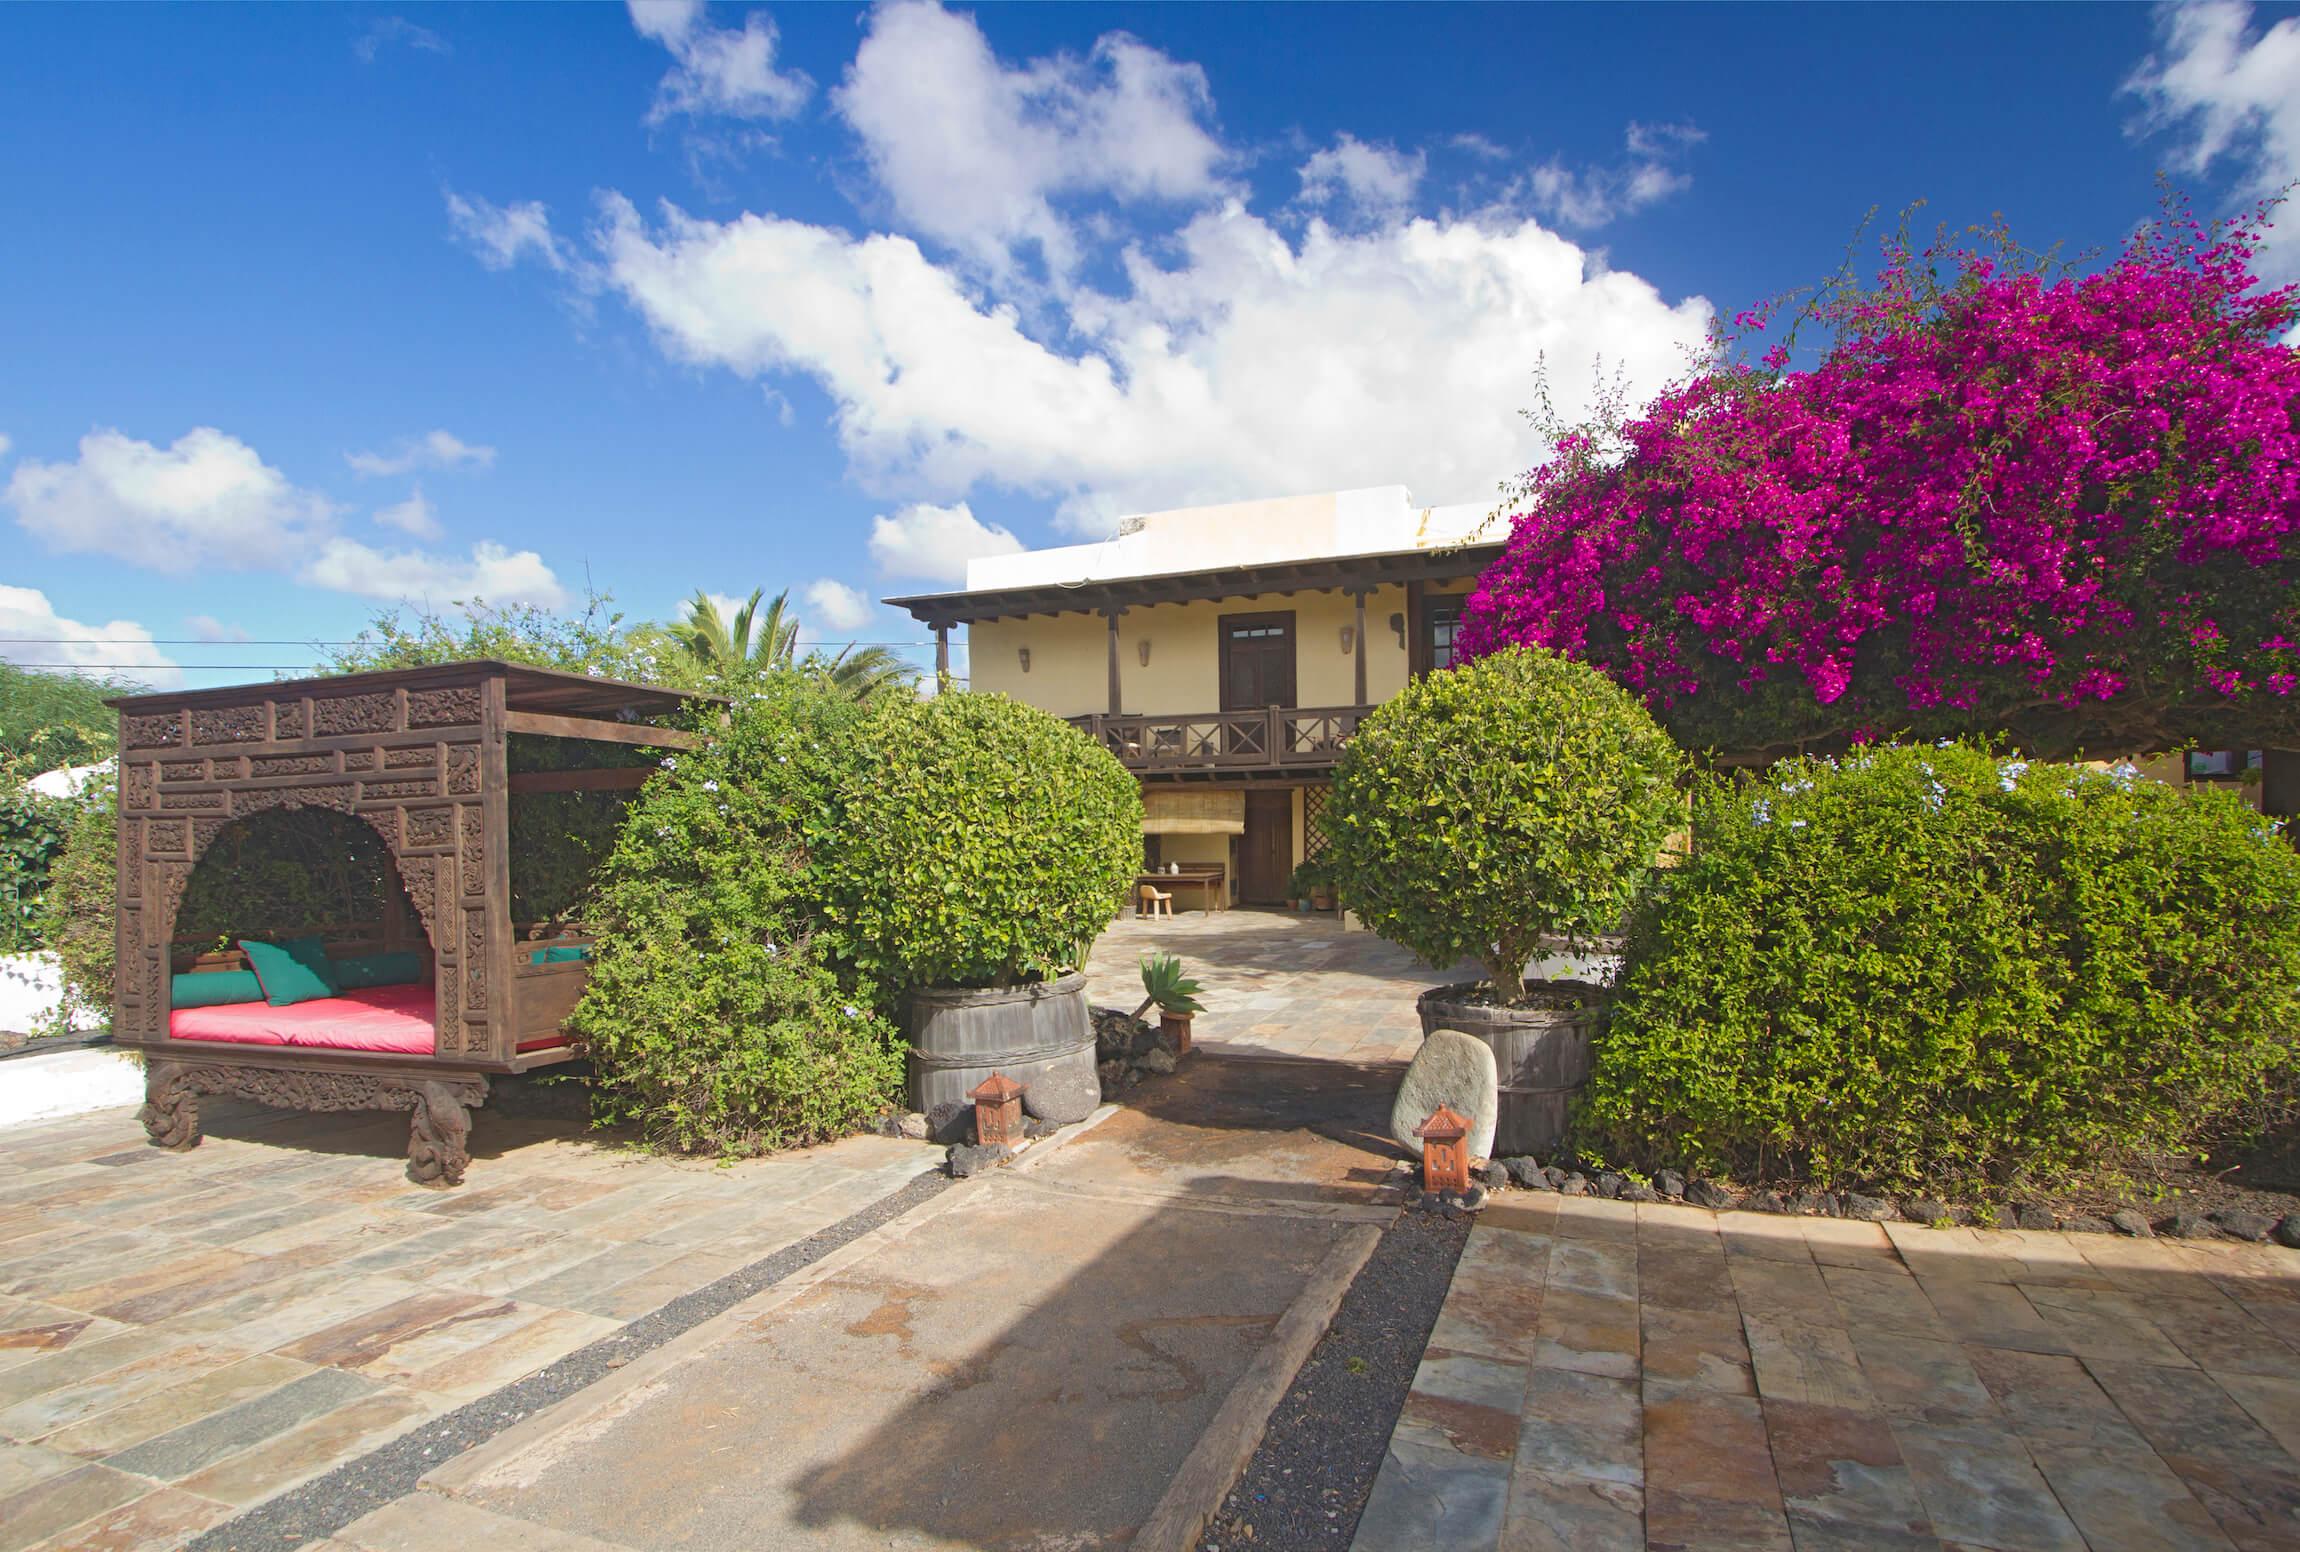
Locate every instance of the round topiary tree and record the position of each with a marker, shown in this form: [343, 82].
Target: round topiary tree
[981, 843]
[1482, 809]
[1947, 971]
[715, 1021]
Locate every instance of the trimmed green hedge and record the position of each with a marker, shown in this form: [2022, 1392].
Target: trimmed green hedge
[1935, 969]
[980, 842]
[78, 918]
[32, 831]
[1481, 809]
[715, 1021]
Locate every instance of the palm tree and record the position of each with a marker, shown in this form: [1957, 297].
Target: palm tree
[754, 642]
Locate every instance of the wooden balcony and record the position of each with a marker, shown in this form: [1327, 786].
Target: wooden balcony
[1274, 739]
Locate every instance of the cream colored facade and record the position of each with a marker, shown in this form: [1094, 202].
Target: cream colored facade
[1354, 583]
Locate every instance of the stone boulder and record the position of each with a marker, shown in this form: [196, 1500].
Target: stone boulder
[1450, 1069]
[1066, 1092]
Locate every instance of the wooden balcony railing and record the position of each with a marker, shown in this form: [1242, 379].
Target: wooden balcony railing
[1274, 738]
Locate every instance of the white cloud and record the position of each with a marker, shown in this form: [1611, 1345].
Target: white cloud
[1254, 366]
[206, 627]
[494, 573]
[720, 71]
[205, 500]
[935, 543]
[1377, 179]
[5, 444]
[502, 235]
[432, 450]
[31, 631]
[835, 605]
[415, 517]
[398, 29]
[1592, 196]
[2234, 92]
[974, 153]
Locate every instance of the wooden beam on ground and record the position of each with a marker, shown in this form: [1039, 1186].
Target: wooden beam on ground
[592, 728]
[618, 778]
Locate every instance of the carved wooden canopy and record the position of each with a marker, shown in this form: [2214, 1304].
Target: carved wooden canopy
[417, 753]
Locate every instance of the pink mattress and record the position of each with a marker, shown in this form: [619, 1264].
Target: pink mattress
[376, 1018]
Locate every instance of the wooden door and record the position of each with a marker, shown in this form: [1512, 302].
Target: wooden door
[1257, 661]
[1266, 850]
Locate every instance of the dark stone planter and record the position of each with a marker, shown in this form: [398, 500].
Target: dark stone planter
[1038, 1035]
[1541, 1056]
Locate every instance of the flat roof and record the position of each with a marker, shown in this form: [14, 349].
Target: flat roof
[1325, 574]
[526, 688]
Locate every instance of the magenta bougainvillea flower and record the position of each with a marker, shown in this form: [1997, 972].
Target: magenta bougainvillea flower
[2063, 508]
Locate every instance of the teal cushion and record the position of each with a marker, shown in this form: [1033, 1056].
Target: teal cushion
[562, 953]
[291, 972]
[404, 968]
[215, 988]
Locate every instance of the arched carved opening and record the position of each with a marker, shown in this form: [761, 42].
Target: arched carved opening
[288, 871]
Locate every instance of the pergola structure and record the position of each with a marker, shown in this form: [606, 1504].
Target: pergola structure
[421, 756]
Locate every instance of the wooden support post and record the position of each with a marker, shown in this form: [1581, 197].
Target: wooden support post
[941, 654]
[1116, 705]
[1361, 640]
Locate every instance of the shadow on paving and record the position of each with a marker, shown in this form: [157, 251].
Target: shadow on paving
[1029, 1365]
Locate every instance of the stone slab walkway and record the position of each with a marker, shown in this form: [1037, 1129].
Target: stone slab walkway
[183, 1335]
[1608, 1375]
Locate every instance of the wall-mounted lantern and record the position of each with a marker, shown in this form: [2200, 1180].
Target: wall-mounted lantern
[1024, 654]
[1349, 639]
[1142, 651]
[1445, 1150]
[997, 1112]
[1398, 624]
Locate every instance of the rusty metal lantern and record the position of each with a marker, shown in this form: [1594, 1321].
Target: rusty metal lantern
[997, 1111]
[1445, 1150]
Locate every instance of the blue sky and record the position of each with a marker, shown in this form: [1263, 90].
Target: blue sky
[306, 310]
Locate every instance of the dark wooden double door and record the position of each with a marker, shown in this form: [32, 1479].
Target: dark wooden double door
[1258, 673]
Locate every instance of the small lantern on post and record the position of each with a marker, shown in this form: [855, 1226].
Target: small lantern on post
[1445, 1151]
[997, 1112]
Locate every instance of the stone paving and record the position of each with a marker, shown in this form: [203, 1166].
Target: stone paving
[1607, 1375]
[184, 1335]
[1278, 983]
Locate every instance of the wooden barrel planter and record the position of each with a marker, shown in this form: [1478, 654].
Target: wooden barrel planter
[1038, 1035]
[1541, 1056]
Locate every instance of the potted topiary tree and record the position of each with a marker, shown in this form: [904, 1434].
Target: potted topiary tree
[1516, 798]
[968, 862]
[1174, 994]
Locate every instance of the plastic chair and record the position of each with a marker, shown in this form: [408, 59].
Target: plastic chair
[1153, 901]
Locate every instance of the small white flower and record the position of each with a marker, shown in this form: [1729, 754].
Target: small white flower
[710, 786]
[852, 1011]
[1796, 824]
[670, 762]
[1761, 811]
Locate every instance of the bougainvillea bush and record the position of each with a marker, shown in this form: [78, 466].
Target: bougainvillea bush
[1947, 969]
[714, 1020]
[2061, 508]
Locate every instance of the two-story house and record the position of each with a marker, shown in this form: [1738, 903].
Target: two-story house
[1225, 654]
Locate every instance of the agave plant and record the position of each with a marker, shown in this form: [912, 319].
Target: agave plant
[1170, 991]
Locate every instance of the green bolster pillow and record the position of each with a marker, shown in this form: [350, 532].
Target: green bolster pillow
[215, 988]
[403, 968]
[562, 954]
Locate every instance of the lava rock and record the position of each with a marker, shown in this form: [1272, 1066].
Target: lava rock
[968, 1159]
[1493, 1175]
[1709, 1194]
[1764, 1202]
[1474, 1199]
[950, 1122]
[1639, 1191]
[1038, 1126]
[1813, 1204]
[911, 1125]
[2187, 1225]
[1931, 1209]
[2081, 1224]
[1670, 1184]
[1555, 1177]
[2125, 1221]
[2245, 1225]
[2030, 1215]
[1112, 1075]
[1119, 1035]
[1158, 1060]
[1609, 1185]
[2288, 1232]
[1455, 1070]
[1527, 1173]
[1065, 1093]
[1869, 1209]
[1573, 1185]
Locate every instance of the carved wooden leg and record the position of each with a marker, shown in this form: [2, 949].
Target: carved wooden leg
[171, 1113]
[436, 1136]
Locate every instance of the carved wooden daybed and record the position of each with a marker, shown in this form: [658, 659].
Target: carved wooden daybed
[421, 756]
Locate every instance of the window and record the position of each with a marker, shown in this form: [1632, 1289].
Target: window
[2221, 764]
[1441, 617]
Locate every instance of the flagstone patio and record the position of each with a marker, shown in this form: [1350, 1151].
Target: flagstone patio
[1606, 1375]
[183, 1335]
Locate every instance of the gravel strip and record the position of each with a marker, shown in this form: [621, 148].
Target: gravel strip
[1309, 1477]
[327, 1504]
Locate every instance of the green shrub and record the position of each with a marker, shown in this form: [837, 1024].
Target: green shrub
[1929, 968]
[715, 1022]
[1486, 807]
[78, 912]
[981, 843]
[32, 830]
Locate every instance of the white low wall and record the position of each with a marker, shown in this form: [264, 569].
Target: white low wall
[64, 1083]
